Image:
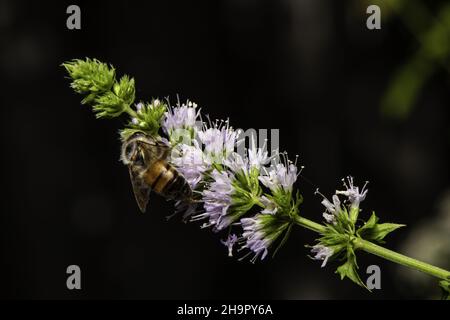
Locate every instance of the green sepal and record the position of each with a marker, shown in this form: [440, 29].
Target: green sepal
[97, 80]
[89, 98]
[335, 240]
[273, 226]
[90, 76]
[108, 105]
[343, 223]
[126, 133]
[149, 118]
[125, 89]
[247, 183]
[246, 193]
[353, 214]
[284, 240]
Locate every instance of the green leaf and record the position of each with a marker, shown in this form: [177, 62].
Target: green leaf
[374, 231]
[382, 230]
[349, 269]
[369, 225]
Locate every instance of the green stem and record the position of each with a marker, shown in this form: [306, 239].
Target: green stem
[311, 225]
[257, 201]
[401, 259]
[130, 111]
[379, 251]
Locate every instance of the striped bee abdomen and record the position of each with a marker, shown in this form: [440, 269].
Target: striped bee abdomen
[165, 180]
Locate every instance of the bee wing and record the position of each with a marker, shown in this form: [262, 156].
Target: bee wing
[140, 188]
[158, 149]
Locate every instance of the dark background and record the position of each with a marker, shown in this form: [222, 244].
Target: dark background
[310, 68]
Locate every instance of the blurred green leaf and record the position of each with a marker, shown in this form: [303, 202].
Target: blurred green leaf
[433, 34]
[445, 286]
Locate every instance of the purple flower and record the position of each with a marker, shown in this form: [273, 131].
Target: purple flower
[236, 163]
[258, 157]
[280, 176]
[255, 237]
[259, 233]
[219, 141]
[139, 107]
[322, 253]
[229, 243]
[182, 117]
[190, 162]
[270, 207]
[332, 209]
[217, 200]
[352, 192]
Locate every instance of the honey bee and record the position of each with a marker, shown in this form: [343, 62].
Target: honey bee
[147, 161]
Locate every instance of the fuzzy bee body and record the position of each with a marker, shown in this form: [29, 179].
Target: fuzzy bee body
[147, 161]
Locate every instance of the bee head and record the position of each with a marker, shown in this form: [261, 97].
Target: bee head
[128, 151]
[133, 150]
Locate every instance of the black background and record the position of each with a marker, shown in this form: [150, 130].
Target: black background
[309, 68]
